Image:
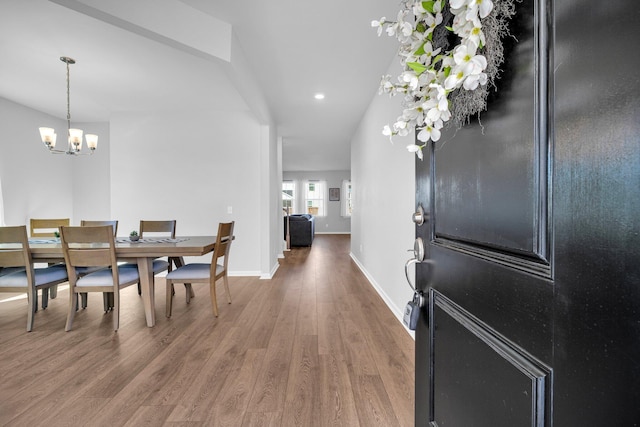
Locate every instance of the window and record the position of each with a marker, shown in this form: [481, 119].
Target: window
[314, 198]
[288, 196]
[346, 204]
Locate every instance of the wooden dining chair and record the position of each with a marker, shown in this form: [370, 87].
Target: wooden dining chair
[46, 227]
[164, 228]
[107, 297]
[158, 229]
[90, 246]
[205, 273]
[18, 273]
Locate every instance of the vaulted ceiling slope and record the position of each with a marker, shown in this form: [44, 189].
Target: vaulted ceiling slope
[269, 57]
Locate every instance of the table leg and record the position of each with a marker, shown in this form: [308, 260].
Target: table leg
[148, 291]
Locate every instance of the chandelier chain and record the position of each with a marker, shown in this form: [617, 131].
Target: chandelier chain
[68, 100]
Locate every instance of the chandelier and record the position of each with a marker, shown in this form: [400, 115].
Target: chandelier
[48, 135]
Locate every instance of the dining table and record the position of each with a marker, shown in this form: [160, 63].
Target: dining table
[142, 252]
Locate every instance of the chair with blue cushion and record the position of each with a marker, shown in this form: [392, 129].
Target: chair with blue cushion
[107, 297]
[17, 273]
[164, 228]
[159, 229]
[46, 227]
[95, 247]
[205, 273]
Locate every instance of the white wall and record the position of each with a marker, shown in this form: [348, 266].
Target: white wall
[91, 179]
[35, 183]
[333, 222]
[192, 167]
[383, 179]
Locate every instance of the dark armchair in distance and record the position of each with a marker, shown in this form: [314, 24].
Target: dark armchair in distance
[302, 229]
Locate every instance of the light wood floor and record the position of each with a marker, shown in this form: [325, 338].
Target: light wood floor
[314, 346]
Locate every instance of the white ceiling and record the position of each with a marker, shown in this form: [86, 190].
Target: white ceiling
[151, 55]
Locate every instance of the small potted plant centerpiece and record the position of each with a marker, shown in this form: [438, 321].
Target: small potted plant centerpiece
[133, 236]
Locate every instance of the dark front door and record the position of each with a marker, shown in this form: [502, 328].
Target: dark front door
[532, 238]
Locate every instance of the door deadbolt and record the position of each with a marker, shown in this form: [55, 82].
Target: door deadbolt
[419, 216]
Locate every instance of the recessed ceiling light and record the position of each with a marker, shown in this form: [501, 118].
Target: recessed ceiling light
[319, 96]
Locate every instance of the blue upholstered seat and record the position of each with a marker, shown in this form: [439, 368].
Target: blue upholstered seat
[194, 271]
[126, 273]
[41, 276]
[160, 265]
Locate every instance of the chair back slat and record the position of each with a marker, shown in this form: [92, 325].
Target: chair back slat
[90, 223]
[12, 258]
[168, 226]
[90, 257]
[15, 251]
[46, 227]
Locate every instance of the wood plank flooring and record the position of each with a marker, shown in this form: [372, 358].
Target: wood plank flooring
[314, 346]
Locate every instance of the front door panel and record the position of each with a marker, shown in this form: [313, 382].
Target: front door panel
[532, 233]
[489, 277]
[491, 178]
[495, 381]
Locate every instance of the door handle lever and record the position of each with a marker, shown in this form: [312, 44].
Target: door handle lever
[418, 296]
[418, 257]
[406, 272]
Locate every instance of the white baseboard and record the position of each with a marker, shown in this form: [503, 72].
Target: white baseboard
[244, 273]
[333, 232]
[269, 275]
